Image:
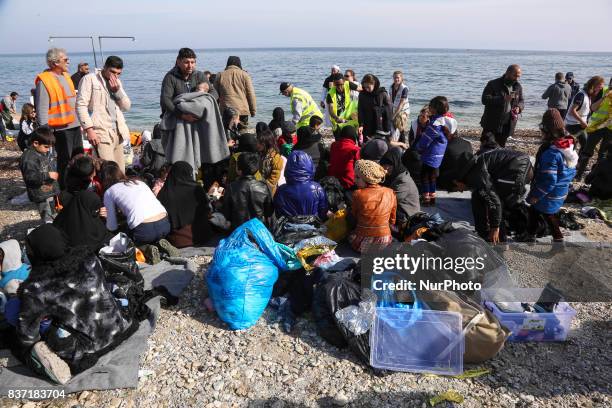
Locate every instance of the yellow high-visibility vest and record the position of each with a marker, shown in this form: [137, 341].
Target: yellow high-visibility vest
[350, 108]
[309, 106]
[601, 116]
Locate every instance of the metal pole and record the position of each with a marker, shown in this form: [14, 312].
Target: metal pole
[100, 48]
[94, 52]
[93, 49]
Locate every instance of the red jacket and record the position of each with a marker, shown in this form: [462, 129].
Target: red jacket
[343, 154]
[285, 139]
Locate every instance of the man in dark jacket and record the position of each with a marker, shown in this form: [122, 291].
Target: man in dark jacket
[497, 180]
[82, 70]
[183, 78]
[503, 101]
[247, 198]
[569, 78]
[558, 94]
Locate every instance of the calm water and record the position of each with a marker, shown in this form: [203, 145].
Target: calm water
[458, 74]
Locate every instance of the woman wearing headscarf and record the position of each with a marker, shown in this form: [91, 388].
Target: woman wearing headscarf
[310, 143]
[261, 127]
[375, 108]
[81, 221]
[236, 90]
[398, 179]
[247, 143]
[276, 124]
[187, 205]
[373, 207]
[59, 288]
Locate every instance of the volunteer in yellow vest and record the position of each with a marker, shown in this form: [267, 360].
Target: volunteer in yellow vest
[303, 107]
[100, 106]
[599, 130]
[342, 108]
[55, 100]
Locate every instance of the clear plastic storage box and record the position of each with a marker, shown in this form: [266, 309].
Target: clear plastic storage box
[423, 341]
[536, 326]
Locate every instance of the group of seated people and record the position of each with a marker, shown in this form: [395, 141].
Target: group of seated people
[275, 172]
[279, 171]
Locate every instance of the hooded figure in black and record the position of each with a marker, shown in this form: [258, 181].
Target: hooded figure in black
[80, 221]
[278, 117]
[497, 179]
[375, 107]
[187, 205]
[309, 142]
[458, 152]
[234, 60]
[68, 287]
[398, 179]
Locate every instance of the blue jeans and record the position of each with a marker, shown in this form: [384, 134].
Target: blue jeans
[150, 232]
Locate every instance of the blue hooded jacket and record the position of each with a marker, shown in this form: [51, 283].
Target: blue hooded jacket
[301, 195]
[555, 169]
[432, 143]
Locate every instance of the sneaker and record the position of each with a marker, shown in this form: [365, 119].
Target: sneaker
[170, 249]
[151, 253]
[49, 362]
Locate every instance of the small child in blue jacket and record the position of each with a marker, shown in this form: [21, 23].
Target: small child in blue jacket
[555, 168]
[431, 146]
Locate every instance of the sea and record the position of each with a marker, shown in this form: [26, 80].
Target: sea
[460, 75]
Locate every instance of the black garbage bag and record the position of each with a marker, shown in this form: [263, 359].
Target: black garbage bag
[288, 231]
[121, 268]
[334, 292]
[464, 244]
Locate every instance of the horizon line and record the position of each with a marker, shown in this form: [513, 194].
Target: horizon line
[9, 54]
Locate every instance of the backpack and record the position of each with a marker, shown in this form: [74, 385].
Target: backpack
[484, 334]
[153, 157]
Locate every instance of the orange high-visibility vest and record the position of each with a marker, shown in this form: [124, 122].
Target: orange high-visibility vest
[60, 113]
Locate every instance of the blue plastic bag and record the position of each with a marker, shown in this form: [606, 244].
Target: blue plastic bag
[243, 271]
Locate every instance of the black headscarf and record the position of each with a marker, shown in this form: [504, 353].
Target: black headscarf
[233, 60]
[261, 127]
[46, 244]
[184, 199]
[348, 132]
[278, 117]
[394, 158]
[247, 143]
[306, 138]
[80, 221]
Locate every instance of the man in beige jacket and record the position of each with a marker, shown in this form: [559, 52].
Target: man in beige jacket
[100, 105]
[236, 90]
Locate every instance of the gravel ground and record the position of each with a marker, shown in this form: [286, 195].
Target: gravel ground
[193, 360]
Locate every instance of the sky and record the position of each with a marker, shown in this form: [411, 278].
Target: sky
[549, 25]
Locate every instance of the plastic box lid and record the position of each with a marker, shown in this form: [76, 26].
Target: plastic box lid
[422, 341]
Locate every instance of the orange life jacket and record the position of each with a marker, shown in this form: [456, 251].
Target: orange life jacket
[60, 113]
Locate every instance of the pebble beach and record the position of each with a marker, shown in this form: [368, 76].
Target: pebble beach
[194, 360]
